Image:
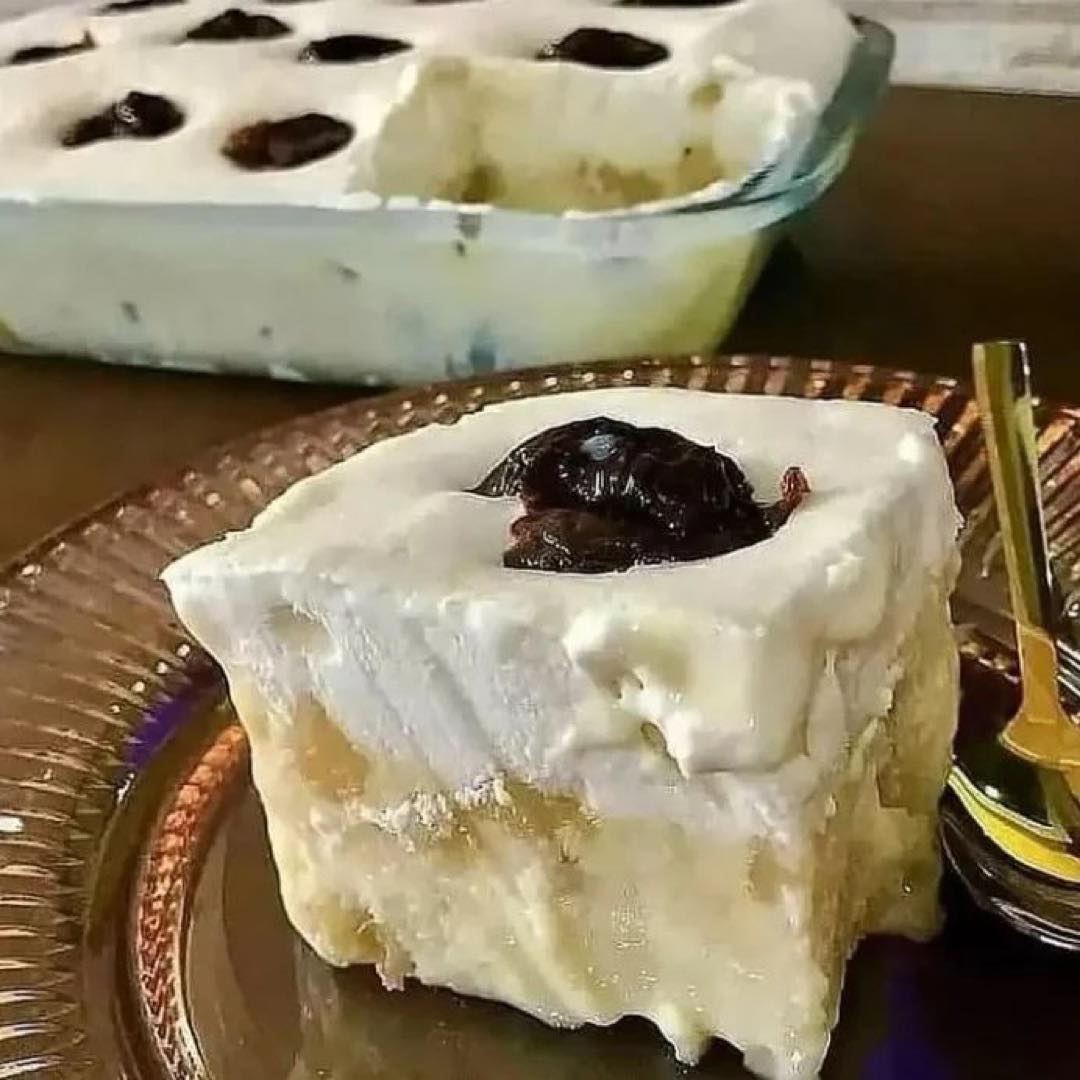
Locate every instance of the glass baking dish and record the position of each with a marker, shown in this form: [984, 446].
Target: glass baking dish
[399, 294]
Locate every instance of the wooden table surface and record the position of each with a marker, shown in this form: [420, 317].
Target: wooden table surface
[958, 219]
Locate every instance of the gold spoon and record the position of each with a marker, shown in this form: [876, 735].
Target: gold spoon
[1041, 727]
[1041, 731]
[1016, 839]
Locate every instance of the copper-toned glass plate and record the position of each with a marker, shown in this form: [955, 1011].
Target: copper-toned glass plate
[141, 933]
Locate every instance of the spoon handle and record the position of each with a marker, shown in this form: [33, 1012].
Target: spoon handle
[1003, 389]
[1041, 731]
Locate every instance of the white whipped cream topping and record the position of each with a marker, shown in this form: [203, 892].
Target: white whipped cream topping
[377, 588]
[741, 90]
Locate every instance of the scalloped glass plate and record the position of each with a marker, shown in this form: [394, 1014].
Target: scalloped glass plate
[141, 933]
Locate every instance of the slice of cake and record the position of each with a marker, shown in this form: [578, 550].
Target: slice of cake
[625, 702]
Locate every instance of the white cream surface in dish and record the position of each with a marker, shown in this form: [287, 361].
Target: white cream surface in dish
[461, 113]
[683, 791]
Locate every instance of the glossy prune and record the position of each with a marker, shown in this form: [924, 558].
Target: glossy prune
[594, 46]
[350, 49]
[603, 495]
[288, 143]
[134, 116]
[237, 25]
[35, 54]
[126, 7]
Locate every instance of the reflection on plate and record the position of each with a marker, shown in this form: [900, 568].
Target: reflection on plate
[141, 933]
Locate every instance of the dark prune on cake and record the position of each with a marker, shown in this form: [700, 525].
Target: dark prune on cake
[35, 54]
[123, 7]
[579, 542]
[597, 47]
[351, 49]
[794, 488]
[134, 116]
[286, 144]
[602, 495]
[237, 25]
[675, 3]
